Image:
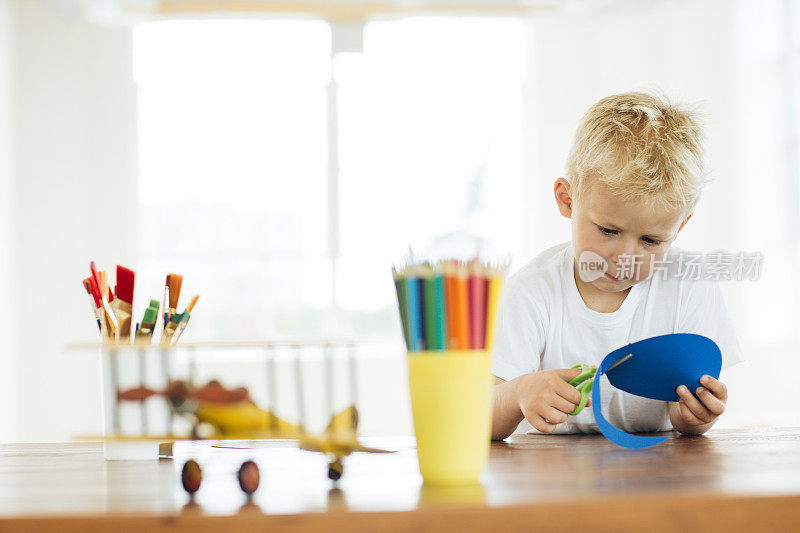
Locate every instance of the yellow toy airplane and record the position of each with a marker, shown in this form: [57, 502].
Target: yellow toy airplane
[219, 413]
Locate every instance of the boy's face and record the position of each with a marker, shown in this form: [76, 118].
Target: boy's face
[612, 227]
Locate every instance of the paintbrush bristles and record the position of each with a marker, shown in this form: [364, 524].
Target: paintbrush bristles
[192, 303]
[174, 282]
[125, 282]
[123, 305]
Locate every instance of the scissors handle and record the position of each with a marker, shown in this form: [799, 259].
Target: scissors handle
[583, 383]
[586, 373]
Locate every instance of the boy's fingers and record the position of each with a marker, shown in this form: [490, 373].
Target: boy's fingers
[568, 392]
[694, 405]
[711, 402]
[553, 415]
[568, 374]
[687, 414]
[542, 425]
[565, 406]
[716, 387]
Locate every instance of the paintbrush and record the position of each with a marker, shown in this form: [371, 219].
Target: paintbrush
[172, 326]
[166, 303]
[175, 321]
[145, 332]
[123, 305]
[105, 289]
[175, 282]
[172, 291]
[185, 316]
[96, 305]
[110, 318]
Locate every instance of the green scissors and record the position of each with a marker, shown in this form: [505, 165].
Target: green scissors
[583, 383]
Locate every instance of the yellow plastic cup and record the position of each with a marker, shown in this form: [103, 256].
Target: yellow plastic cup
[451, 405]
[471, 495]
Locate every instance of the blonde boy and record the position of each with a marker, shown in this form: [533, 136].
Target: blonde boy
[633, 177]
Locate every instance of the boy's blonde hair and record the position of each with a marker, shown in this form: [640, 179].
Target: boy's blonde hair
[643, 147]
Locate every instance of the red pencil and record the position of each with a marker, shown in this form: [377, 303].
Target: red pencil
[478, 286]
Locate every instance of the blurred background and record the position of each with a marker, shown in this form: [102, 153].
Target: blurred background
[281, 154]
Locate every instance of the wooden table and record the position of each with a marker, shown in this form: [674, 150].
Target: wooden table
[728, 480]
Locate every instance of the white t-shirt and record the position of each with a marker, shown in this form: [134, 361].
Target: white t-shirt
[543, 324]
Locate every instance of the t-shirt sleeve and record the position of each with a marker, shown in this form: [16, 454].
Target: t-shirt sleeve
[703, 312]
[519, 334]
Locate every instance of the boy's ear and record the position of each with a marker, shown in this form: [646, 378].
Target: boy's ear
[563, 194]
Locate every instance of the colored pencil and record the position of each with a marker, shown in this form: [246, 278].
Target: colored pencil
[495, 283]
[440, 310]
[449, 305]
[477, 305]
[415, 316]
[402, 304]
[461, 302]
[429, 306]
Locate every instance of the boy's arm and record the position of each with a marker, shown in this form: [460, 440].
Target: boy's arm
[545, 398]
[506, 414]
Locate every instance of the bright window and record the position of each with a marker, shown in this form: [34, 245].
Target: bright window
[234, 185]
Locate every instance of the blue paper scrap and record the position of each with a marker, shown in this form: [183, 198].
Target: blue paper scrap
[656, 368]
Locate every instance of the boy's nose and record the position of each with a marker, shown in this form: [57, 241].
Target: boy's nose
[625, 248]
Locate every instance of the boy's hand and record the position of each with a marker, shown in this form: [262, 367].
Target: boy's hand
[697, 414]
[546, 398]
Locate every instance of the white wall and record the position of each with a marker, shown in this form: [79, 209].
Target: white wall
[73, 143]
[665, 46]
[75, 156]
[726, 57]
[8, 416]
[74, 199]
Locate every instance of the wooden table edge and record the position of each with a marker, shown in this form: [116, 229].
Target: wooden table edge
[653, 513]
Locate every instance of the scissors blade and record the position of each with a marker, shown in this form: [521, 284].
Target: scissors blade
[619, 362]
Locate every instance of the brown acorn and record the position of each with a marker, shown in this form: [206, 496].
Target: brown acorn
[191, 476]
[249, 477]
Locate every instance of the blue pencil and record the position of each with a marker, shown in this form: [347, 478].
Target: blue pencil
[414, 302]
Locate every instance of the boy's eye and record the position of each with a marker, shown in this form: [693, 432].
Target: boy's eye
[651, 242]
[608, 231]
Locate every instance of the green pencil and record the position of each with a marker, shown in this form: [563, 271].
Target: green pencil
[440, 313]
[402, 302]
[435, 312]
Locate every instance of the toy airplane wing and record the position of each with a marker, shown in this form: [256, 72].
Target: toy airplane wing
[339, 442]
[339, 437]
[367, 449]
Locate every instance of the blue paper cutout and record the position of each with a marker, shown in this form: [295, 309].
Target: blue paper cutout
[657, 367]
